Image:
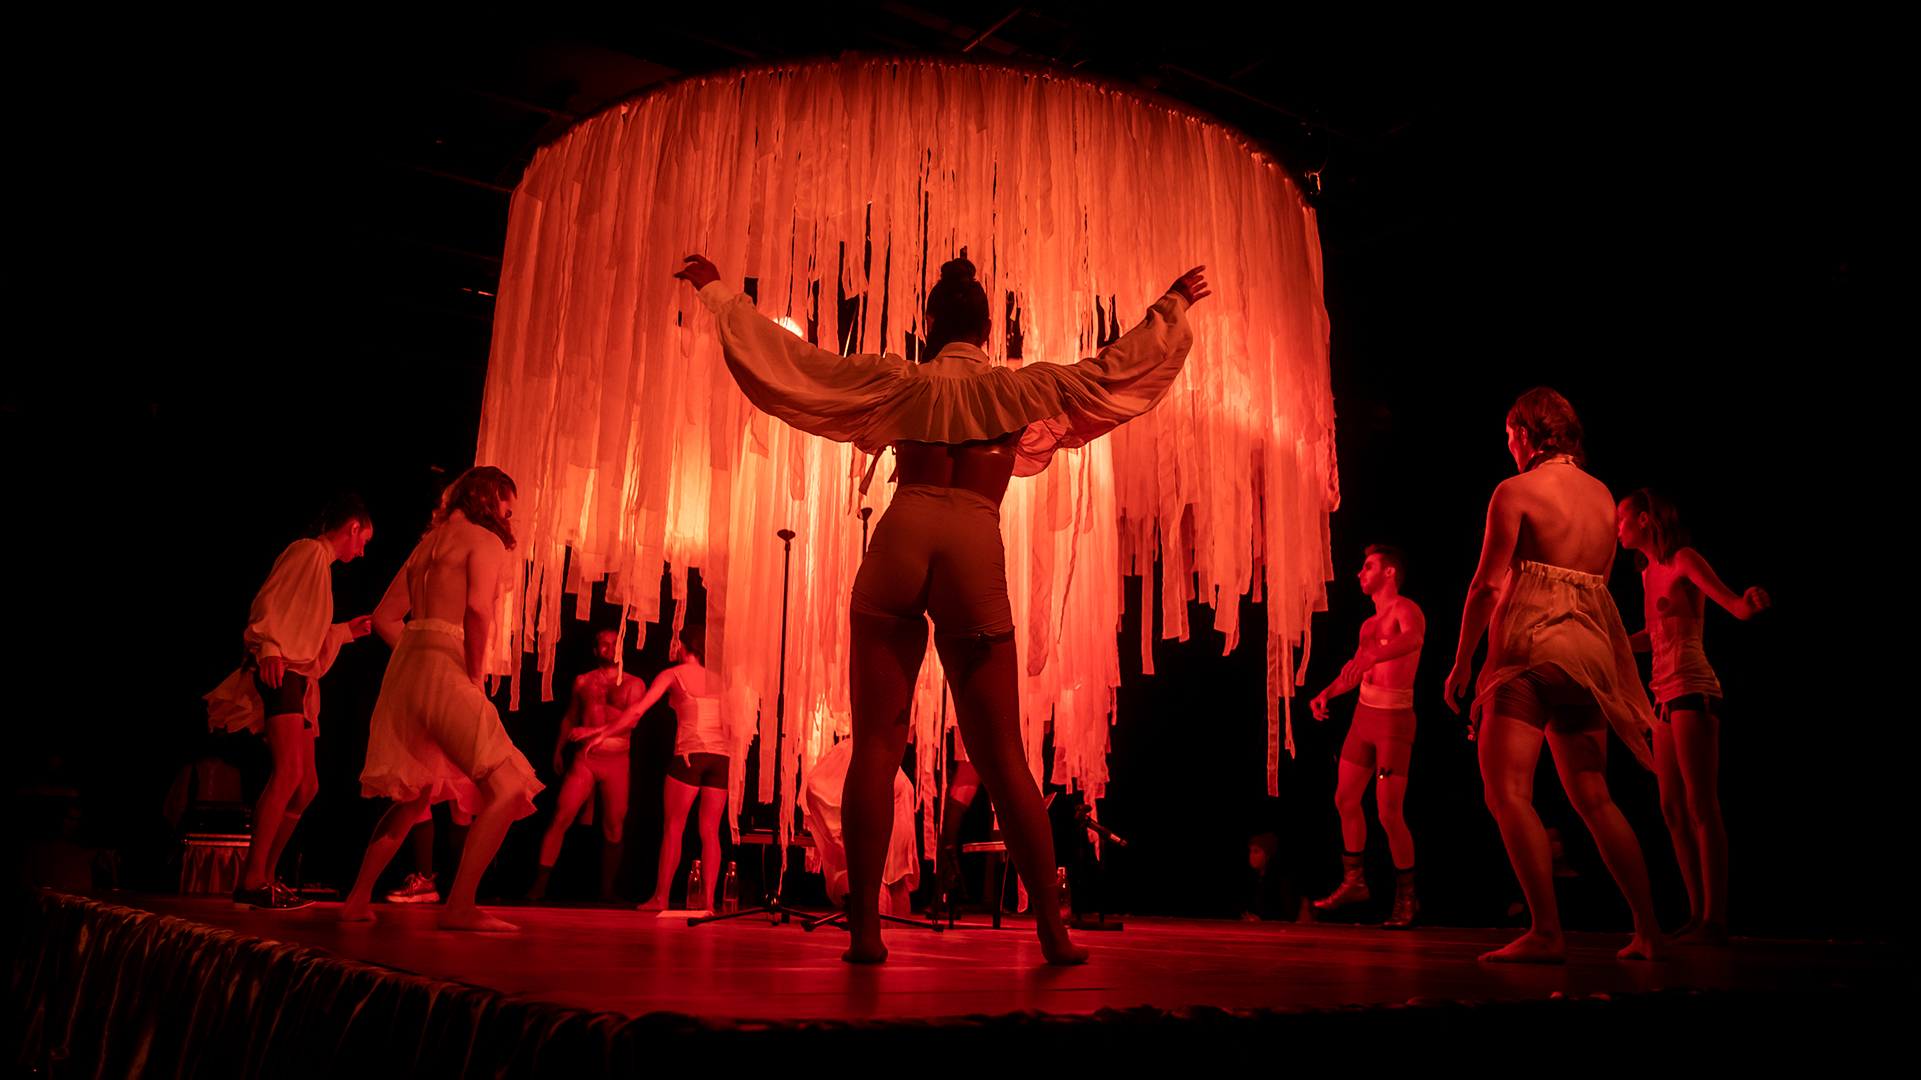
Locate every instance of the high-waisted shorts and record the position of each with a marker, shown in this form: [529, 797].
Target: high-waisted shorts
[699, 770]
[289, 700]
[937, 551]
[1547, 693]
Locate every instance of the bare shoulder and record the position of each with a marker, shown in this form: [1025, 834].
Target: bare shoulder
[1408, 609]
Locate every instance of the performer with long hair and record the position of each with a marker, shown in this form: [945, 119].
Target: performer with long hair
[434, 735]
[291, 641]
[961, 428]
[1558, 665]
[1687, 698]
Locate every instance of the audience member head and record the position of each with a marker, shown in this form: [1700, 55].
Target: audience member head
[1549, 423]
[1262, 850]
[485, 495]
[956, 308]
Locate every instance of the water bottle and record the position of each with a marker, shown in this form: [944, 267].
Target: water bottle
[730, 891]
[1060, 884]
[694, 890]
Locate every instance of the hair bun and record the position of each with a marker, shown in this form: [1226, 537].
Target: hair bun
[957, 269]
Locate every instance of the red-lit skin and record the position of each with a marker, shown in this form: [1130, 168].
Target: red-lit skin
[1557, 514]
[454, 579]
[294, 782]
[1390, 652]
[1687, 748]
[883, 663]
[677, 797]
[596, 702]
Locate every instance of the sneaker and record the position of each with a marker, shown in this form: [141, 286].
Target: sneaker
[417, 889]
[269, 898]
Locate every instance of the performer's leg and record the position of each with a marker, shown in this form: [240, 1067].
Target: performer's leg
[1356, 769]
[501, 789]
[1580, 756]
[284, 741]
[421, 840]
[1697, 744]
[1509, 750]
[676, 799]
[574, 791]
[713, 807]
[399, 819]
[1390, 799]
[981, 669]
[613, 781]
[885, 661]
[303, 797]
[961, 789]
[1674, 811]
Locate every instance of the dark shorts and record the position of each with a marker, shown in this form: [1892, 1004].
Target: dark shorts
[937, 551]
[699, 770]
[1380, 739]
[291, 698]
[1546, 694]
[1703, 703]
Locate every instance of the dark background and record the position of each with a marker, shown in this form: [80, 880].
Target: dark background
[259, 274]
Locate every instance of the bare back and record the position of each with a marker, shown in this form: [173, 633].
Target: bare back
[1561, 516]
[455, 569]
[982, 467]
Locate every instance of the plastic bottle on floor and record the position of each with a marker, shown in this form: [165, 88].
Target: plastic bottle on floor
[694, 890]
[730, 891]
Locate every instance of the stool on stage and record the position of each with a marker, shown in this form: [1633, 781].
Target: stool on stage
[996, 852]
[213, 862]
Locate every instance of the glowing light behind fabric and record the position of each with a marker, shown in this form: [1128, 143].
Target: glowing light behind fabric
[608, 402]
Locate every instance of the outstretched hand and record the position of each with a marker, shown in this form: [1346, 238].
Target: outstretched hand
[1757, 599]
[698, 272]
[1192, 286]
[361, 626]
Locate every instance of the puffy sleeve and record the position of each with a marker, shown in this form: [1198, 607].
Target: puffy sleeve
[817, 391]
[294, 610]
[1098, 395]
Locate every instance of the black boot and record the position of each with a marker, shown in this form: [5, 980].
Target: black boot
[1406, 905]
[1353, 887]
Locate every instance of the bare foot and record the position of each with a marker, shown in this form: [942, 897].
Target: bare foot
[653, 903]
[1530, 948]
[355, 911]
[1645, 947]
[1704, 934]
[1059, 949]
[1685, 929]
[472, 918]
[867, 947]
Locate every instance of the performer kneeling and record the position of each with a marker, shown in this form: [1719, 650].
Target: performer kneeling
[1558, 664]
[434, 735]
[1381, 741]
[961, 429]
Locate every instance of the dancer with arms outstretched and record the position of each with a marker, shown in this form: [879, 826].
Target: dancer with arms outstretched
[962, 429]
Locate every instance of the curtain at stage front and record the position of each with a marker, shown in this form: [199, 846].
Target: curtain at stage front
[838, 187]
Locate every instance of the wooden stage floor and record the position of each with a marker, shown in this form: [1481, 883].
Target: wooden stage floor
[618, 961]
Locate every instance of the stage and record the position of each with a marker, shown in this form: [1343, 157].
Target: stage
[196, 987]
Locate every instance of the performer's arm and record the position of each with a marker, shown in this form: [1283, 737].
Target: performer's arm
[390, 615]
[1745, 606]
[1498, 542]
[1412, 635]
[631, 715]
[485, 563]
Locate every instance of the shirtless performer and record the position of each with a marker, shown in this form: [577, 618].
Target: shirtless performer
[599, 698]
[291, 642]
[434, 735]
[1381, 740]
[1558, 664]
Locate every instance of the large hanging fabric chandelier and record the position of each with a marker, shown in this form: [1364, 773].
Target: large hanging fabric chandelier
[836, 188]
